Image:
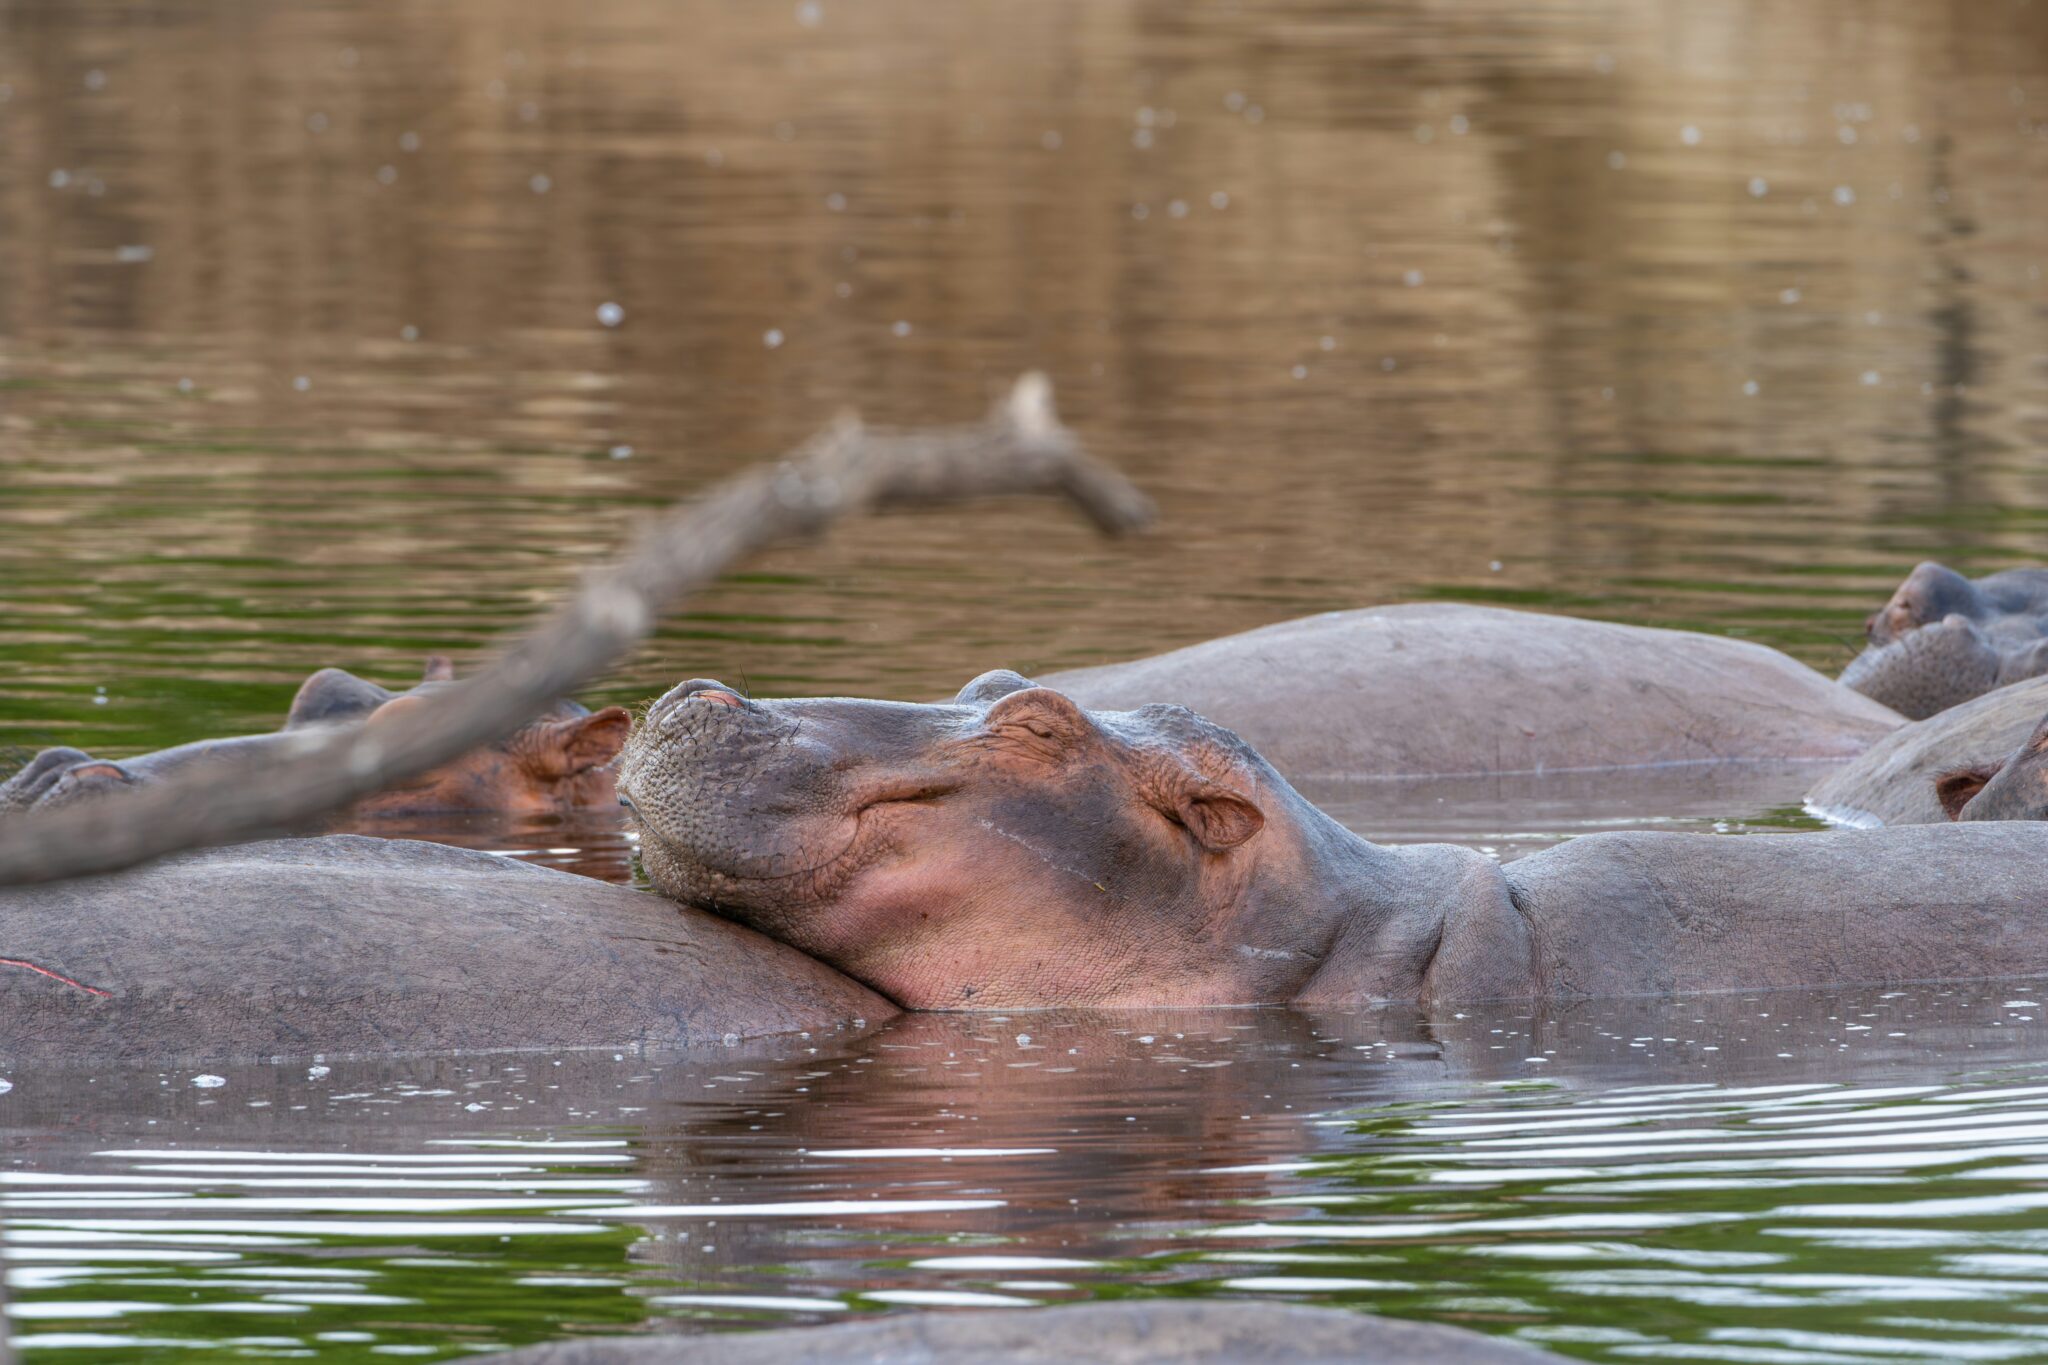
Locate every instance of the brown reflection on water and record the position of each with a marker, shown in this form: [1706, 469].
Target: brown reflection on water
[301, 360]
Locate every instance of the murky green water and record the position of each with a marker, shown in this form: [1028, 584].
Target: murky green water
[1711, 315]
[1829, 1179]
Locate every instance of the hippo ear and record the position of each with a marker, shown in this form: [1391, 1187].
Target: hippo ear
[1219, 817]
[1957, 788]
[575, 744]
[991, 686]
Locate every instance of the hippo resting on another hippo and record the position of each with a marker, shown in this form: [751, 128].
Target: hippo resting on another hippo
[558, 762]
[1011, 849]
[1943, 639]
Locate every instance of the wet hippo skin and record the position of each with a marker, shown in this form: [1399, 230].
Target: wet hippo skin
[1943, 639]
[1445, 688]
[1012, 850]
[1215, 1332]
[558, 762]
[1895, 782]
[347, 945]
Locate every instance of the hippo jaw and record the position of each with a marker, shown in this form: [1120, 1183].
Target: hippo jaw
[1004, 851]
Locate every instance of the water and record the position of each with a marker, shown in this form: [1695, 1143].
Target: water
[343, 335]
[1769, 1178]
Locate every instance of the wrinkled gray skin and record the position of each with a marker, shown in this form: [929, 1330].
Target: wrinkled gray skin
[346, 945]
[1012, 850]
[1440, 689]
[1216, 1332]
[1943, 639]
[2015, 788]
[1897, 781]
[557, 762]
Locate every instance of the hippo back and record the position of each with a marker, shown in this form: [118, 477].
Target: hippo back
[347, 945]
[1893, 784]
[1440, 689]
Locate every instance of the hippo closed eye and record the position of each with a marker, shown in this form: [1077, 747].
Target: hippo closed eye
[1012, 849]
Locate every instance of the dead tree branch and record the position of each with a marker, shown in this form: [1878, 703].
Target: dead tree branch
[845, 470]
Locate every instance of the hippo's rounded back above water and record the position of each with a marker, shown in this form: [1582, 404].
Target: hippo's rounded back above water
[1445, 689]
[354, 945]
[1897, 781]
[1944, 639]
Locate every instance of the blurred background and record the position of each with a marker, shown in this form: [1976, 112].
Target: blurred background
[336, 334]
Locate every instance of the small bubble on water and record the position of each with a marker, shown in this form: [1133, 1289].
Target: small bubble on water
[1493, 565]
[408, 141]
[59, 178]
[1389, 364]
[1616, 160]
[1844, 195]
[1219, 200]
[1299, 372]
[209, 1082]
[316, 122]
[622, 452]
[387, 175]
[539, 183]
[1328, 343]
[1759, 187]
[1141, 138]
[714, 158]
[810, 13]
[1178, 208]
[1023, 1040]
[1750, 387]
[836, 202]
[1234, 102]
[1460, 125]
[772, 338]
[1871, 378]
[610, 314]
[301, 383]
[1847, 135]
[95, 79]
[314, 1073]
[1788, 296]
[185, 386]
[1689, 135]
[1050, 140]
[900, 327]
[408, 333]
[1254, 113]
[133, 255]
[1412, 278]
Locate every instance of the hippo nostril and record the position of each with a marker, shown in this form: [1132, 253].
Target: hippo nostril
[717, 695]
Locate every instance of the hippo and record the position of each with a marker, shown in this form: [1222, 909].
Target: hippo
[561, 761]
[345, 944]
[1896, 782]
[1136, 1332]
[2014, 788]
[1012, 849]
[1943, 639]
[1443, 689]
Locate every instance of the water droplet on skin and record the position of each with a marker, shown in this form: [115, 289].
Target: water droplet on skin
[610, 314]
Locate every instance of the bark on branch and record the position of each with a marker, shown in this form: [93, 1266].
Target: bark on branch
[845, 470]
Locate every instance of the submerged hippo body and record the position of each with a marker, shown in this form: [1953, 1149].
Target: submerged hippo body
[1438, 689]
[346, 944]
[560, 761]
[1898, 781]
[1012, 849]
[1943, 639]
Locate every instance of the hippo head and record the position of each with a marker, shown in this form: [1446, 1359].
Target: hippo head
[1008, 849]
[1943, 639]
[559, 762]
[2015, 788]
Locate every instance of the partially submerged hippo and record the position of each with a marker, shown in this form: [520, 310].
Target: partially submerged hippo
[560, 761]
[1011, 849]
[1442, 688]
[1944, 639]
[1896, 782]
[1136, 1332]
[346, 944]
[2013, 788]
